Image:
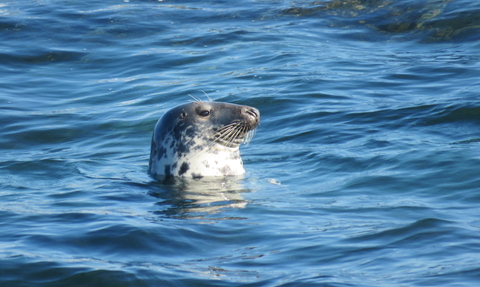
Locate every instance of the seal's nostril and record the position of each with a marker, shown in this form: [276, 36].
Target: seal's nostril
[252, 112]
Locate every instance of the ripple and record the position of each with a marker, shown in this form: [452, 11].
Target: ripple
[364, 171]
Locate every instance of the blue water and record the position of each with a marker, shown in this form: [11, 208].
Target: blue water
[365, 170]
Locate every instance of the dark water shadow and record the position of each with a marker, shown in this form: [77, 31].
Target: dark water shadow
[426, 21]
[199, 198]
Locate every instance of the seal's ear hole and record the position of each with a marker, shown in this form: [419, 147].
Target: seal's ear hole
[204, 113]
[182, 115]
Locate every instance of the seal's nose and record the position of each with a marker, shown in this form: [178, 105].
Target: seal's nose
[253, 115]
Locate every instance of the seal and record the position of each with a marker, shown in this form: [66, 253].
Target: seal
[201, 139]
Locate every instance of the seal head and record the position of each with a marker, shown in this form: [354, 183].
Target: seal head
[201, 139]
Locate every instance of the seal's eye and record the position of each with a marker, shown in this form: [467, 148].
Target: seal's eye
[204, 113]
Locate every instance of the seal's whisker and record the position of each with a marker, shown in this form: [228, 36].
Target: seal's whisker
[232, 124]
[245, 134]
[195, 99]
[220, 139]
[235, 135]
[228, 138]
[224, 134]
[208, 97]
[249, 136]
[226, 129]
[231, 134]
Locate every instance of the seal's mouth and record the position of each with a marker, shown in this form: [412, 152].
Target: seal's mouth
[234, 134]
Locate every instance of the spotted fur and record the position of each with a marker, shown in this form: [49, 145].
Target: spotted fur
[201, 139]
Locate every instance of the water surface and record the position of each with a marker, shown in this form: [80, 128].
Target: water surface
[363, 172]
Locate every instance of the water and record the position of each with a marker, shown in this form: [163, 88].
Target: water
[363, 172]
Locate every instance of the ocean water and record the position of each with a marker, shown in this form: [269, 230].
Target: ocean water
[365, 170]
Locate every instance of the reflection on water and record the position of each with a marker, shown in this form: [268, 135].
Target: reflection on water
[197, 198]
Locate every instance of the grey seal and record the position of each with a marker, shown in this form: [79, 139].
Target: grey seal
[201, 139]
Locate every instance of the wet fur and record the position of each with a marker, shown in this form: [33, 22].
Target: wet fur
[186, 143]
